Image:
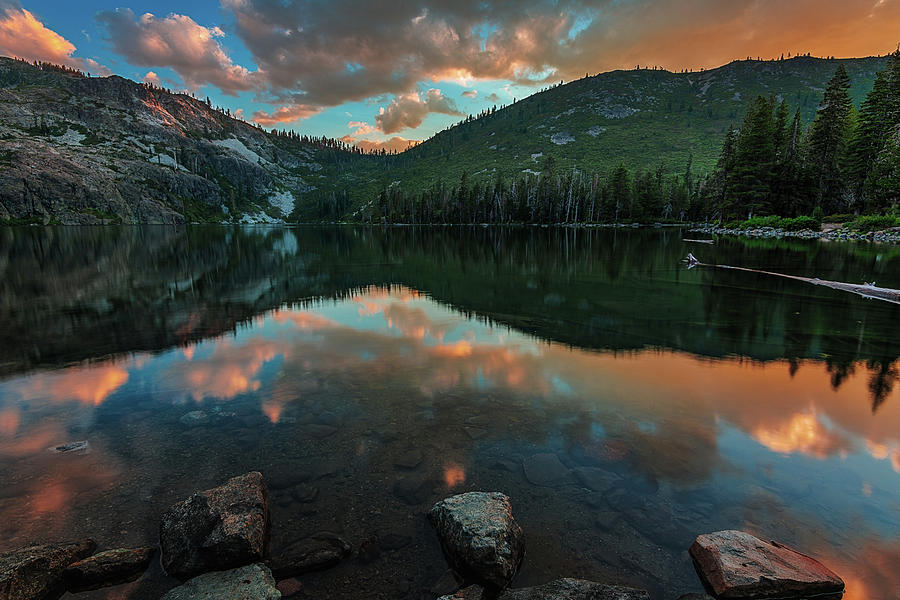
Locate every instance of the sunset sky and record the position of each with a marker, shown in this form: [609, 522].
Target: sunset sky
[387, 71]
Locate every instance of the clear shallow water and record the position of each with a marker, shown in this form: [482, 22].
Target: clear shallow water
[624, 403]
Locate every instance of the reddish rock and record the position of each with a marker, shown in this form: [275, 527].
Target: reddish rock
[736, 564]
[110, 567]
[217, 529]
[35, 572]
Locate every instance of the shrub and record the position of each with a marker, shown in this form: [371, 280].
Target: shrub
[874, 223]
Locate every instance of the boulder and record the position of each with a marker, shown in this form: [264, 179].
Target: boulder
[735, 564]
[575, 589]
[217, 529]
[473, 592]
[251, 582]
[107, 568]
[35, 572]
[315, 553]
[479, 536]
[561, 589]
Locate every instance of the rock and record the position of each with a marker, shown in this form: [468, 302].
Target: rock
[409, 459]
[389, 541]
[194, 418]
[479, 536]
[447, 583]
[110, 567]
[547, 470]
[575, 589]
[695, 596]
[252, 582]
[315, 553]
[217, 529]
[735, 564]
[598, 480]
[305, 495]
[473, 592]
[35, 572]
[286, 477]
[414, 490]
[289, 587]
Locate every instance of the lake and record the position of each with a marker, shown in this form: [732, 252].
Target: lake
[624, 402]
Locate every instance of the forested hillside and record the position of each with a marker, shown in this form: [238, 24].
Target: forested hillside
[636, 145]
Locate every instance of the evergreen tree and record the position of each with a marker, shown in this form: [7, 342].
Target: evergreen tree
[754, 162]
[828, 142]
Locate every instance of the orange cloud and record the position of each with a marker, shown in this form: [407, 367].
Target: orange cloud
[285, 114]
[24, 36]
[89, 385]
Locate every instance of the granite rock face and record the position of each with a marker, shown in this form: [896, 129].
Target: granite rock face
[251, 582]
[34, 572]
[479, 536]
[110, 567]
[735, 564]
[220, 528]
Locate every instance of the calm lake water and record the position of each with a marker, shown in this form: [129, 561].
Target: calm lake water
[624, 403]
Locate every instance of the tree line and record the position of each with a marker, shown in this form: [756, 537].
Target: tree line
[846, 161]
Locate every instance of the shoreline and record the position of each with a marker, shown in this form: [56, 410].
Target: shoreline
[888, 236]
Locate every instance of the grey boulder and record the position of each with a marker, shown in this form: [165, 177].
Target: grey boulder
[251, 582]
[315, 553]
[107, 568]
[217, 529]
[560, 589]
[34, 572]
[479, 536]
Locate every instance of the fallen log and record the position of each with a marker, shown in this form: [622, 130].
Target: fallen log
[866, 290]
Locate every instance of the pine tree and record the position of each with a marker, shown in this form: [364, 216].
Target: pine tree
[828, 142]
[754, 161]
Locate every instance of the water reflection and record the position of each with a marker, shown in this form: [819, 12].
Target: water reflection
[388, 398]
[624, 403]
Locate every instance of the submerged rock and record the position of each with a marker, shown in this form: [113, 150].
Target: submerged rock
[546, 470]
[315, 553]
[561, 589]
[736, 564]
[35, 572]
[107, 568]
[252, 582]
[575, 589]
[217, 529]
[479, 536]
[194, 418]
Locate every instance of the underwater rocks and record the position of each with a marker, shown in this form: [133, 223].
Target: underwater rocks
[546, 470]
[35, 572]
[315, 553]
[479, 536]
[736, 564]
[561, 589]
[107, 568]
[251, 582]
[220, 528]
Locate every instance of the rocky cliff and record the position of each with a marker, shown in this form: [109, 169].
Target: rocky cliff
[77, 149]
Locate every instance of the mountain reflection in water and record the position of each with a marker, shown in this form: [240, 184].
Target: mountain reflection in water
[368, 373]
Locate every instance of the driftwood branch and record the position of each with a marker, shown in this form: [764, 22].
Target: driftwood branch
[867, 290]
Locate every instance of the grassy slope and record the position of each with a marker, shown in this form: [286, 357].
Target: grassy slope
[642, 118]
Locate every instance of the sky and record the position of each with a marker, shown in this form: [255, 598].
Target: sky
[387, 72]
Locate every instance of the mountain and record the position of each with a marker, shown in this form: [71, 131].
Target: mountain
[79, 149]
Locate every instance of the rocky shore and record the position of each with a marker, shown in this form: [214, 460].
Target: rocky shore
[839, 234]
[216, 543]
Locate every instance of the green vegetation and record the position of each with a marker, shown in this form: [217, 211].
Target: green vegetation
[874, 222]
[590, 152]
[775, 222]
